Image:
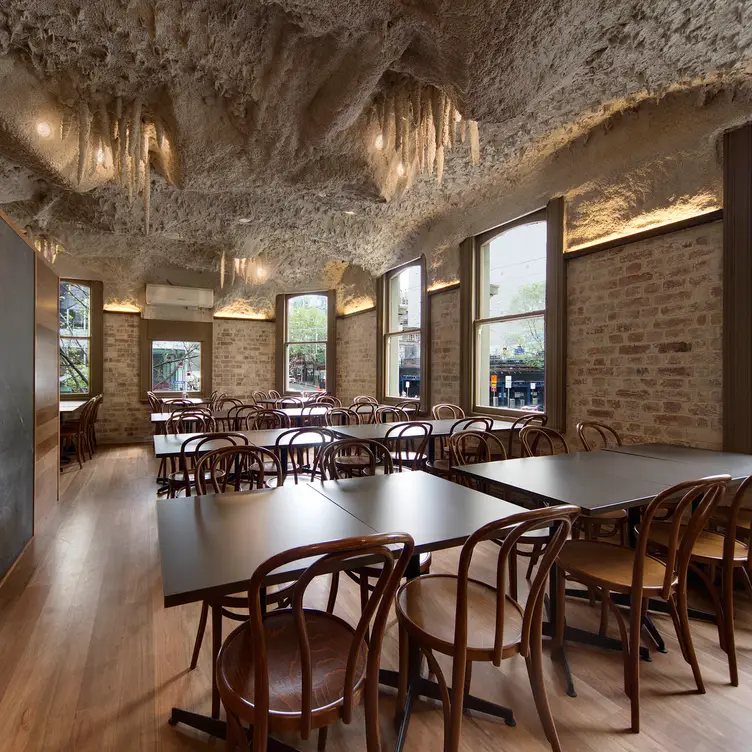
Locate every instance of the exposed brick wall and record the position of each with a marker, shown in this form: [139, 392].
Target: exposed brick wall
[445, 347]
[123, 418]
[645, 338]
[356, 356]
[243, 357]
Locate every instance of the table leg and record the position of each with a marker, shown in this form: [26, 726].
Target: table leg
[216, 614]
[552, 607]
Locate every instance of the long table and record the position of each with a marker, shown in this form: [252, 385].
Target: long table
[70, 406]
[211, 546]
[294, 413]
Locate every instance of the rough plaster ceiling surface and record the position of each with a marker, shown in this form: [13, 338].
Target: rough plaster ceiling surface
[268, 114]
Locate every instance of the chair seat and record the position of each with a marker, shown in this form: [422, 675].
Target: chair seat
[617, 514]
[179, 476]
[407, 456]
[607, 564]
[743, 518]
[429, 603]
[375, 570]
[353, 460]
[439, 466]
[708, 546]
[330, 640]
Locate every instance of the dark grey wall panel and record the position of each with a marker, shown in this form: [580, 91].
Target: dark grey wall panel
[16, 395]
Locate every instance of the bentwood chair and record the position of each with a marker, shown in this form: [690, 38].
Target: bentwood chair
[514, 444]
[593, 435]
[364, 399]
[285, 402]
[342, 416]
[447, 411]
[349, 458]
[389, 414]
[442, 465]
[366, 411]
[301, 669]
[633, 572]
[240, 417]
[712, 552]
[265, 420]
[473, 621]
[225, 403]
[75, 432]
[302, 460]
[408, 443]
[232, 468]
[259, 395]
[328, 400]
[190, 421]
[274, 394]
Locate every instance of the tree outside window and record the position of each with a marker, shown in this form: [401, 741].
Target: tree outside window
[305, 342]
[175, 366]
[75, 337]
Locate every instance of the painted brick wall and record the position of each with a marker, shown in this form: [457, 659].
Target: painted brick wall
[645, 338]
[243, 357]
[123, 419]
[445, 347]
[356, 356]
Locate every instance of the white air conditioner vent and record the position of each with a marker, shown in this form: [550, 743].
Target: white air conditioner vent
[188, 297]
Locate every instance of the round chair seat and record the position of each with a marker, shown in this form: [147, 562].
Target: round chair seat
[179, 476]
[428, 605]
[743, 518]
[708, 546]
[439, 466]
[408, 457]
[602, 563]
[617, 514]
[375, 570]
[330, 639]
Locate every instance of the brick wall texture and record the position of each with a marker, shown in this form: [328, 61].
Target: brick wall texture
[645, 338]
[123, 419]
[243, 357]
[445, 347]
[356, 356]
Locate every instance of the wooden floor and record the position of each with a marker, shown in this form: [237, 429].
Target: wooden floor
[90, 659]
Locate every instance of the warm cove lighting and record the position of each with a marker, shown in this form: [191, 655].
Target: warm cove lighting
[243, 315]
[441, 285]
[121, 308]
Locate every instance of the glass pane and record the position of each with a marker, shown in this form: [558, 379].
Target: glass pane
[75, 304]
[403, 365]
[306, 367]
[404, 300]
[74, 366]
[307, 318]
[175, 366]
[513, 272]
[510, 364]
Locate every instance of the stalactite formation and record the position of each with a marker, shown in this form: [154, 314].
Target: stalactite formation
[420, 123]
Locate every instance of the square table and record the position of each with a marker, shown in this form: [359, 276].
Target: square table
[70, 406]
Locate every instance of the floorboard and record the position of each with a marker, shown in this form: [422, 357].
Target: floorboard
[90, 659]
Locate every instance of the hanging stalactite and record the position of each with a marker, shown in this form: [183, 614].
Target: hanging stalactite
[84, 126]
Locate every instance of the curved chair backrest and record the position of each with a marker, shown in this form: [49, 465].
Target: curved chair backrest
[178, 404]
[472, 447]
[193, 448]
[364, 399]
[696, 498]
[155, 404]
[327, 399]
[342, 416]
[472, 424]
[447, 411]
[240, 417]
[408, 437]
[269, 419]
[301, 438]
[365, 410]
[190, 421]
[333, 555]
[231, 468]
[274, 394]
[534, 419]
[225, 403]
[597, 435]
[389, 414]
[258, 395]
[284, 402]
[375, 451]
[509, 531]
[537, 439]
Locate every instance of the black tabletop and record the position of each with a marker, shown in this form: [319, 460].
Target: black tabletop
[210, 546]
[378, 430]
[438, 514]
[169, 446]
[293, 412]
[596, 481]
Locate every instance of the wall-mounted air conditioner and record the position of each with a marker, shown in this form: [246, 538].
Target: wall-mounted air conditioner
[188, 297]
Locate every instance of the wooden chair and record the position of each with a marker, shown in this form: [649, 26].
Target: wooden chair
[472, 621]
[714, 552]
[274, 394]
[265, 420]
[190, 421]
[301, 669]
[310, 415]
[342, 416]
[225, 403]
[408, 442]
[442, 465]
[348, 458]
[327, 399]
[241, 417]
[446, 411]
[366, 411]
[302, 461]
[174, 404]
[411, 407]
[285, 402]
[532, 437]
[514, 432]
[594, 435]
[75, 432]
[93, 418]
[364, 399]
[633, 572]
[236, 467]
[259, 395]
[389, 414]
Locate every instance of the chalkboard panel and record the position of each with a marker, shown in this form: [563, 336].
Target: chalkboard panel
[16, 395]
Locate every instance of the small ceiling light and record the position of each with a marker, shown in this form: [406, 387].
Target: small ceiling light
[401, 170]
[100, 157]
[244, 221]
[350, 213]
[44, 129]
[379, 142]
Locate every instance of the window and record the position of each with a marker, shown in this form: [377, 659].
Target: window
[306, 340]
[402, 330]
[404, 292]
[175, 366]
[75, 338]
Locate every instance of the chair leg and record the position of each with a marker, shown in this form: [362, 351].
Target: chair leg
[604, 614]
[452, 743]
[323, 731]
[534, 556]
[683, 616]
[404, 667]
[200, 634]
[534, 663]
[333, 588]
[79, 453]
[513, 573]
[561, 596]
[235, 739]
[728, 623]
[635, 631]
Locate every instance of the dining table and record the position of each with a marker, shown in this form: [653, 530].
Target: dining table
[211, 545]
[71, 406]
